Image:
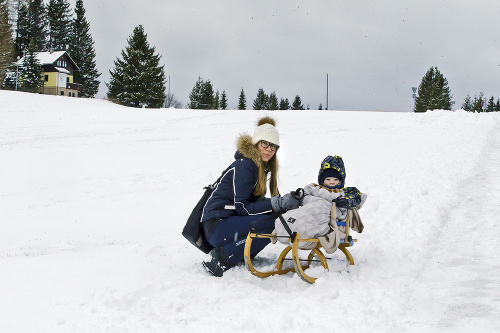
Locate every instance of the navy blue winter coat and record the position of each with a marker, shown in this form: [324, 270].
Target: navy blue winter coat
[234, 192]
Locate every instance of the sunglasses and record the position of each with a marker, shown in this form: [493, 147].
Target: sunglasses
[264, 144]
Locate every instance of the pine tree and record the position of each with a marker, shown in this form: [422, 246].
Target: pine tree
[30, 73]
[31, 25]
[320, 106]
[138, 80]
[297, 103]
[477, 103]
[22, 30]
[497, 106]
[223, 100]
[273, 101]
[444, 96]
[433, 92]
[242, 101]
[38, 25]
[59, 19]
[6, 42]
[202, 95]
[467, 106]
[207, 96]
[196, 95]
[491, 105]
[284, 104]
[261, 102]
[215, 104]
[81, 49]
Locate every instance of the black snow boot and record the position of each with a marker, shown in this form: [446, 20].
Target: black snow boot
[217, 266]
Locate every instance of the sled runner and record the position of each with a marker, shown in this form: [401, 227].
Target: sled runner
[295, 240]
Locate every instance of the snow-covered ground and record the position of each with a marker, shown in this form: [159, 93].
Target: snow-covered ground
[93, 198]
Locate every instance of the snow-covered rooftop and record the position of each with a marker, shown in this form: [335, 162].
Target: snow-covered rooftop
[62, 70]
[48, 58]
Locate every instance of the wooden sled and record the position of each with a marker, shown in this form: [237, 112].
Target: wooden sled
[297, 266]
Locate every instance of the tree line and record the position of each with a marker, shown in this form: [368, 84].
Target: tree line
[434, 94]
[479, 104]
[203, 96]
[39, 28]
[137, 78]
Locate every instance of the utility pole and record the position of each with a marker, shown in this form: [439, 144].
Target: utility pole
[326, 91]
[17, 70]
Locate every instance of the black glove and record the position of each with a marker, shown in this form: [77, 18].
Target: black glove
[341, 202]
[284, 203]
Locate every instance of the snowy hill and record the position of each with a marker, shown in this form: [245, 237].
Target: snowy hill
[93, 198]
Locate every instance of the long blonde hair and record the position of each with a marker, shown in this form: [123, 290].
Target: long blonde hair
[272, 167]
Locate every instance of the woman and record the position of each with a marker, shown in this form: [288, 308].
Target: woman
[238, 202]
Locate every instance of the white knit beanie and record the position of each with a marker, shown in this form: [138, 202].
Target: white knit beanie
[266, 131]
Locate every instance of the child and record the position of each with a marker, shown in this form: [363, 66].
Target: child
[312, 218]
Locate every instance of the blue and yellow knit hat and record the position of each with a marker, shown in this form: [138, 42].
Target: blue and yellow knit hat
[332, 166]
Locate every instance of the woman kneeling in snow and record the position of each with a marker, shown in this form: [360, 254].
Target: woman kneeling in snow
[238, 202]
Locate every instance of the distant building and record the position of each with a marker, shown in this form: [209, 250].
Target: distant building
[58, 69]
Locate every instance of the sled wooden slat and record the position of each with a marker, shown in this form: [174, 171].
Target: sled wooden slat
[296, 260]
[342, 247]
[297, 266]
[279, 265]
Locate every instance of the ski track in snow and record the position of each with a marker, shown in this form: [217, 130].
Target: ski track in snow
[463, 275]
[94, 196]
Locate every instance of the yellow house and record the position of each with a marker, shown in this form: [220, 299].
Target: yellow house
[58, 69]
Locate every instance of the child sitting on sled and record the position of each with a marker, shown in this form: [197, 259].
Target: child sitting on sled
[313, 218]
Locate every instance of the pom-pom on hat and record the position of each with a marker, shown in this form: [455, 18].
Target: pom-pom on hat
[266, 130]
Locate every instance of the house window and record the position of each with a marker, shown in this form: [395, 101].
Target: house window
[67, 79]
[69, 94]
[62, 93]
[46, 78]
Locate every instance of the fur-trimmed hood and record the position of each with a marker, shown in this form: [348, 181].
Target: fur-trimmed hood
[248, 150]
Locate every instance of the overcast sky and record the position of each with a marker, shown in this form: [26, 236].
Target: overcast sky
[373, 51]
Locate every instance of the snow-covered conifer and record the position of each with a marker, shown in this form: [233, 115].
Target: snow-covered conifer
[273, 101]
[202, 95]
[81, 50]
[242, 100]
[138, 80]
[223, 101]
[297, 103]
[261, 102]
[284, 104]
[59, 19]
[433, 92]
[30, 73]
